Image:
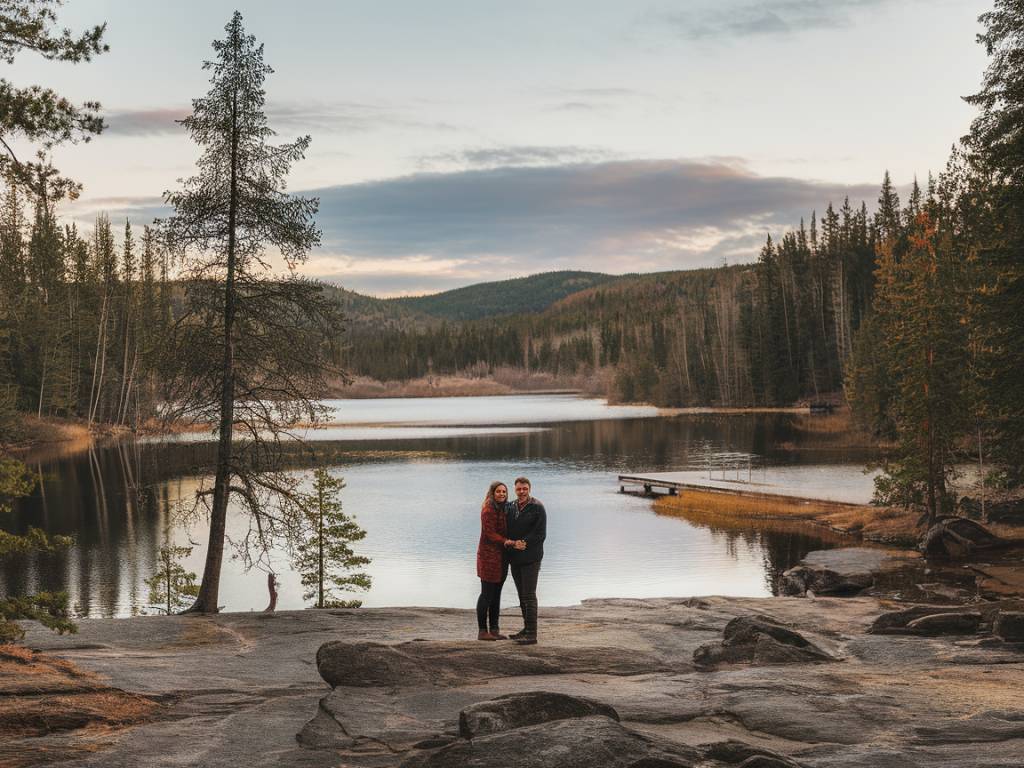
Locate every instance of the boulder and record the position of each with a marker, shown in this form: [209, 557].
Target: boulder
[821, 580]
[957, 538]
[960, 623]
[582, 742]
[1008, 511]
[767, 761]
[759, 640]
[747, 629]
[518, 710]
[895, 622]
[446, 664]
[747, 755]
[930, 620]
[1009, 626]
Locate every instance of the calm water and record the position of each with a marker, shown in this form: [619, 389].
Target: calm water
[416, 470]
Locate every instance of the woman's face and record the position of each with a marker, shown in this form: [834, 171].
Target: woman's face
[501, 494]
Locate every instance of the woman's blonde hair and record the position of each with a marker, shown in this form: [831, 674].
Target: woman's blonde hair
[490, 491]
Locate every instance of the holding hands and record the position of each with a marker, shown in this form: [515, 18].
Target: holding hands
[518, 544]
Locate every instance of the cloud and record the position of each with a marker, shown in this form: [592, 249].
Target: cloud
[617, 216]
[768, 17]
[432, 231]
[524, 155]
[145, 122]
[285, 118]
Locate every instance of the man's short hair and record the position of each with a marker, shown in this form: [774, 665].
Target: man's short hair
[523, 481]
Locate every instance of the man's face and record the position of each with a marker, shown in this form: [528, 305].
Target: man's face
[522, 491]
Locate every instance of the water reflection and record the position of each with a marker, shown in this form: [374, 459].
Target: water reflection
[418, 498]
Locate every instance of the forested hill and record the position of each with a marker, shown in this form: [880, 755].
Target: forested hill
[771, 332]
[505, 297]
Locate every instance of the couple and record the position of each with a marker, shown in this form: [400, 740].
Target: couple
[511, 538]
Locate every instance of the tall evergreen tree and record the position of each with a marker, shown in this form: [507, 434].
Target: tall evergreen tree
[996, 146]
[251, 349]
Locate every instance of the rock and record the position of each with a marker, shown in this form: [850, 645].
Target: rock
[522, 709]
[1009, 626]
[820, 580]
[895, 622]
[367, 665]
[928, 620]
[1008, 511]
[963, 623]
[766, 761]
[984, 727]
[586, 742]
[957, 538]
[747, 629]
[758, 640]
[740, 753]
[408, 665]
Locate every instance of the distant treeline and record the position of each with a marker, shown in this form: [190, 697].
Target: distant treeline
[769, 333]
[80, 319]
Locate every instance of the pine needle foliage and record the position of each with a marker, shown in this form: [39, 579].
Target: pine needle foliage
[252, 350]
[48, 608]
[37, 115]
[324, 557]
[171, 587]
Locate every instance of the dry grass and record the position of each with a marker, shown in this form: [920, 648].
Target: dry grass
[40, 694]
[499, 382]
[872, 523]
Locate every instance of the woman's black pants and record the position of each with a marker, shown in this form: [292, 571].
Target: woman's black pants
[525, 576]
[488, 605]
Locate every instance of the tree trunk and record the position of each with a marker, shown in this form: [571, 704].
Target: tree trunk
[320, 543]
[206, 600]
[272, 589]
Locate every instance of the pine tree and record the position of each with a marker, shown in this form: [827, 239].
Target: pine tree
[324, 557]
[919, 304]
[171, 587]
[37, 115]
[996, 147]
[252, 350]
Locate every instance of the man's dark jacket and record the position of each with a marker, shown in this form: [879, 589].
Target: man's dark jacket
[529, 524]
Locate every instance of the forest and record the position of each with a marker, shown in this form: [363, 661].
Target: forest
[910, 311]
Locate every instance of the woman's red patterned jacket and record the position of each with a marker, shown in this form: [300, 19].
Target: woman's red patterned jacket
[490, 565]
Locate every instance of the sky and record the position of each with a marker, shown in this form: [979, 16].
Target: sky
[460, 141]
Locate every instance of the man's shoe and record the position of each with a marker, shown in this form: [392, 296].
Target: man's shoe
[497, 635]
[485, 636]
[520, 634]
[526, 640]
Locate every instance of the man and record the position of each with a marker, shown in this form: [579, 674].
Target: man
[526, 529]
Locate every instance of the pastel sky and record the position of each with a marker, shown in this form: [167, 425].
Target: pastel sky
[458, 141]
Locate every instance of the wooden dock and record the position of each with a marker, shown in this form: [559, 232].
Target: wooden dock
[807, 486]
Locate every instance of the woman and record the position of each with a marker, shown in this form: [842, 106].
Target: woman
[491, 566]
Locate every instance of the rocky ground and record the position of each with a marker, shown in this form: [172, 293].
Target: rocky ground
[798, 681]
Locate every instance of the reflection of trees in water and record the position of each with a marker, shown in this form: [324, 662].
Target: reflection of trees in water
[106, 499]
[780, 544]
[116, 500]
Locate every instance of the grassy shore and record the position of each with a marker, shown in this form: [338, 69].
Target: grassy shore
[885, 525]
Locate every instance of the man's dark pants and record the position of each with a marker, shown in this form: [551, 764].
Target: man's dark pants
[525, 576]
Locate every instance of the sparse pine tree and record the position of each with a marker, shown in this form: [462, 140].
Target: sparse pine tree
[324, 557]
[171, 587]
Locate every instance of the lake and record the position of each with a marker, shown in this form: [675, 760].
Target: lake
[416, 470]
